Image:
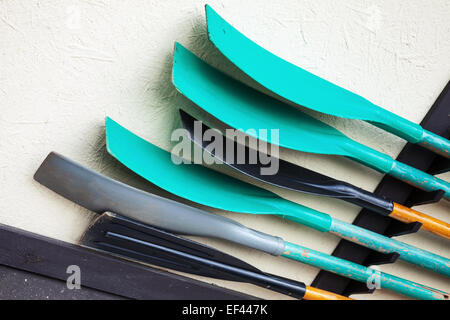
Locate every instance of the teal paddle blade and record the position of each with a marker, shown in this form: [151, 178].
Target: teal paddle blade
[200, 184]
[240, 106]
[284, 78]
[304, 88]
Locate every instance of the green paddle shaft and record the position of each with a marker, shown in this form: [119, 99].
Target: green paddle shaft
[435, 143]
[412, 132]
[373, 278]
[385, 164]
[384, 244]
[323, 222]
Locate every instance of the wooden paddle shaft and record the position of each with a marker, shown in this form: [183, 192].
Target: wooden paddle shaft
[318, 294]
[429, 223]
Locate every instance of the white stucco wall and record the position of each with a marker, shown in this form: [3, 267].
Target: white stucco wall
[65, 65]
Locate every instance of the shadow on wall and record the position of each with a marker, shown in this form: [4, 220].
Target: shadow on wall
[167, 95]
[169, 100]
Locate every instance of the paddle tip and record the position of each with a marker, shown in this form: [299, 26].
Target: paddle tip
[214, 22]
[178, 51]
[112, 127]
[40, 172]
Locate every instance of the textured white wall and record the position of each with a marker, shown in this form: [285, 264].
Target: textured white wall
[65, 65]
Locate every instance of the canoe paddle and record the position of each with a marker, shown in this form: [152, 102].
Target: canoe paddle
[306, 89]
[211, 188]
[117, 235]
[240, 106]
[297, 178]
[99, 193]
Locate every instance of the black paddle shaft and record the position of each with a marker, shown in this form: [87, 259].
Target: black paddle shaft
[127, 238]
[289, 175]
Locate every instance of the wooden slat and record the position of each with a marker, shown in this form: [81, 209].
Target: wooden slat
[17, 284]
[30, 252]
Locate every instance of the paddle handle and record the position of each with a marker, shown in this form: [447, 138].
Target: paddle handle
[419, 178]
[394, 210]
[318, 294]
[384, 244]
[290, 287]
[373, 278]
[408, 215]
[293, 288]
[275, 283]
[435, 143]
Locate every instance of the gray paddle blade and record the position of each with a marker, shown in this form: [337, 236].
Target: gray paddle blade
[100, 194]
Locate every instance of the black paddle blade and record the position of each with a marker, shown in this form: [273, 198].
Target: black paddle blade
[289, 175]
[117, 234]
[129, 239]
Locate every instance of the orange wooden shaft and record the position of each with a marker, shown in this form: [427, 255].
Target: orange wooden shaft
[429, 223]
[318, 294]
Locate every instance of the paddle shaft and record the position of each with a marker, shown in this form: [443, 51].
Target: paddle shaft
[374, 278]
[413, 133]
[318, 294]
[389, 208]
[386, 164]
[369, 239]
[386, 245]
[419, 178]
[429, 223]
[272, 282]
[386, 207]
[435, 143]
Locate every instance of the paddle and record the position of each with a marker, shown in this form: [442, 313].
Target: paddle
[297, 178]
[99, 194]
[211, 188]
[127, 238]
[240, 106]
[306, 89]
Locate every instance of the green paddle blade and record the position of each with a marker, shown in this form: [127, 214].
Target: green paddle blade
[306, 89]
[200, 184]
[240, 106]
[298, 85]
